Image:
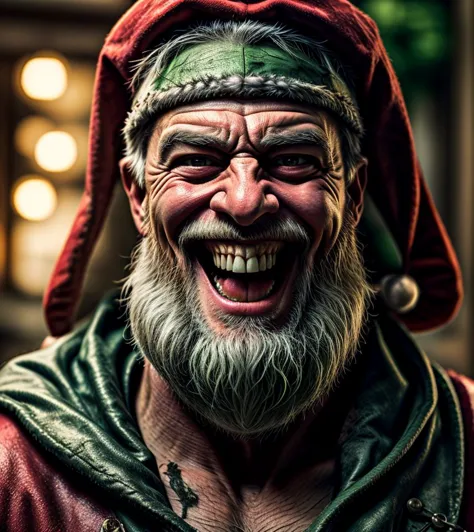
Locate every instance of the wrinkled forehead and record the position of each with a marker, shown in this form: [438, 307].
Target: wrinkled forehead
[256, 119]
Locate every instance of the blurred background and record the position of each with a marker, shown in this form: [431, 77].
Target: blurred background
[48, 52]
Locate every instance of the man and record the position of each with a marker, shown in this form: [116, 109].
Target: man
[264, 381]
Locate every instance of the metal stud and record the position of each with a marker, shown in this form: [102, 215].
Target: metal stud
[400, 292]
[415, 506]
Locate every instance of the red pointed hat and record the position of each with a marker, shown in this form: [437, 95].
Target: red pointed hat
[409, 228]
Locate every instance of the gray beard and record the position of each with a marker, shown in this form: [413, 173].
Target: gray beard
[254, 378]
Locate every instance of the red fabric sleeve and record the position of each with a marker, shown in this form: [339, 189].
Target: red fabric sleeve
[36, 496]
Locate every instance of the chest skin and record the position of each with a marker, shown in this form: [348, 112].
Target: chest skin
[290, 507]
[219, 483]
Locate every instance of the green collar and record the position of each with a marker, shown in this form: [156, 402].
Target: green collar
[405, 438]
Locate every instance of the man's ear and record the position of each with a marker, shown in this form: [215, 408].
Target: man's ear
[136, 195]
[356, 190]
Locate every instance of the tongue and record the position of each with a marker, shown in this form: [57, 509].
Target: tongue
[245, 290]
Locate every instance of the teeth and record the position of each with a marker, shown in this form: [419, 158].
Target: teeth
[244, 259]
[239, 265]
[250, 252]
[252, 265]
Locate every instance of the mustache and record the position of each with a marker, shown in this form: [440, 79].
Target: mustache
[285, 229]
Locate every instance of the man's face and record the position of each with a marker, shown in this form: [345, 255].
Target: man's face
[248, 292]
[252, 164]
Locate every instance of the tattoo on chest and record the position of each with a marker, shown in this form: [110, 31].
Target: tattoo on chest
[187, 497]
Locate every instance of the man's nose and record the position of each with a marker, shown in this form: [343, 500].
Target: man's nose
[244, 195]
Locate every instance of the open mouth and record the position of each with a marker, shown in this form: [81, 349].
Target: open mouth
[246, 273]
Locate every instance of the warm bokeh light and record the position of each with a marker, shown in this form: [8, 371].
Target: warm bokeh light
[56, 151]
[34, 198]
[29, 131]
[44, 78]
[35, 246]
[76, 102]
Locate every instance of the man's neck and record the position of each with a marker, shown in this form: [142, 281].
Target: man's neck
[193, 456]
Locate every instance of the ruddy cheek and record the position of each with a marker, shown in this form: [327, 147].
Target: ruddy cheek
[319, 211]
[179, 203]
[309, 203]
[176, 203]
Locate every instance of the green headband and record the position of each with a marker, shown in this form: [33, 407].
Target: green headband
[221, 60]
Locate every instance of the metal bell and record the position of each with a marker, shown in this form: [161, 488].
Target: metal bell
[400, 292]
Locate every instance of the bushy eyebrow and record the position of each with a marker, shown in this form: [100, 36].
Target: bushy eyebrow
[281, 139]
[169, 142]
[289, 138]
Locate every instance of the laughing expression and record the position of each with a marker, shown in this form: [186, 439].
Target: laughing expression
[249, 164]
